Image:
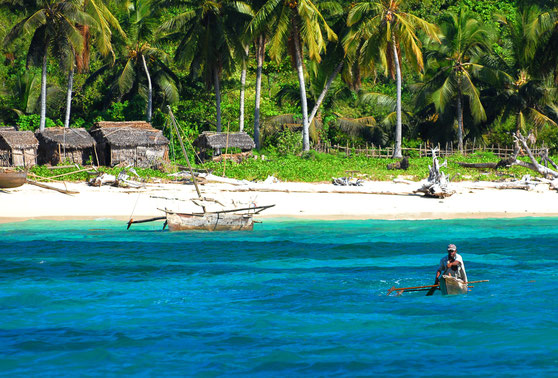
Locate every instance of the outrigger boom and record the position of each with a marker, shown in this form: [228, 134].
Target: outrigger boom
[400, 290]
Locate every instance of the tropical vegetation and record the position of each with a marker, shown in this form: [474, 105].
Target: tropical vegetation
[392, 73]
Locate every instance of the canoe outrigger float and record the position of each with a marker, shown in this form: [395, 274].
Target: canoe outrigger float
[448, 286]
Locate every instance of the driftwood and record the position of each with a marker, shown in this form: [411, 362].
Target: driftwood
[534, 165]
[44, 186]
[504, 163]
[436, 185]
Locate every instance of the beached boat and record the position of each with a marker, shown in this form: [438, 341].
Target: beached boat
[225, 220]
[238, 219]
[12, 179]
[452, 286]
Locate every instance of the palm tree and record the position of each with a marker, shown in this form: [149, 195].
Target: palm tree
[382, 32]
[102, 39]
[206, 42]
[141, 59]
[259, 37]
[544, 31]
[293, 25]
[524, 92]
[54, 30]
[454, 65]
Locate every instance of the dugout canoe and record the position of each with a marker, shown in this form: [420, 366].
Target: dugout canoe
[452, 286]
[12, 179]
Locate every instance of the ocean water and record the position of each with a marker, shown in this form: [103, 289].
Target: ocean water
[291, 298]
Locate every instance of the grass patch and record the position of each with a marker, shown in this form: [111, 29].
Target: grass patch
[318, 167]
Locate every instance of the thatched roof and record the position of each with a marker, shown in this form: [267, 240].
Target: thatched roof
[74, 138]
[133, 124]
[128, 134]
[18, 139]
[219, 140]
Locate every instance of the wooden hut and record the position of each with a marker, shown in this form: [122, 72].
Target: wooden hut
[17, 148]
[136, 143]
[59, 144]
[219, 142]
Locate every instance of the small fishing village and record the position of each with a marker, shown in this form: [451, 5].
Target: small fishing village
[278, 187]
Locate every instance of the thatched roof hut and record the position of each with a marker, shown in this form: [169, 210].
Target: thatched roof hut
[212, 140]
[17, 148]
[136, 143]
[57, 144]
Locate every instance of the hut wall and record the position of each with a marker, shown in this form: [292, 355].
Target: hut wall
[54, 155]
[4, 158]
[24, 157]
[141, 156]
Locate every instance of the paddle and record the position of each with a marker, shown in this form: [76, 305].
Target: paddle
[431, 291]
[400, 290]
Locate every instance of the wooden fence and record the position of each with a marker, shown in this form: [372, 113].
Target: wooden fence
[424, 150]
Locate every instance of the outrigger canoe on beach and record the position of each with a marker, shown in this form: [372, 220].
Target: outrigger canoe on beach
[448, 286]
[239, 219]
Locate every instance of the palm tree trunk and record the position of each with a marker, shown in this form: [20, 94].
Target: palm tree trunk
[149, 91]
[43, 93]
[69, 97]
[459, 121]
[217, 98]
[242, 89]
[260, 53]
[324, 92]
[302, 85]
[397, 149]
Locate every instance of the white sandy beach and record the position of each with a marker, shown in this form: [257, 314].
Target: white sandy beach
[295, 200]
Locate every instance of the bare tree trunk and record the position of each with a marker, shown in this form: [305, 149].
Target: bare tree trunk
[397, 149]
[43, 93]
[324, 92]
[260, 53]
[460, 121]
[69, 96]
[217, 98]
[302, 85]
[149, 90]
[242, 89]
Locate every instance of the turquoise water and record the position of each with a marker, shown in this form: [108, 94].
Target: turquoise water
[291, 298]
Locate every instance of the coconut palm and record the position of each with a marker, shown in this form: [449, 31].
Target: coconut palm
[207, 44]
[53, 26]
[382, 33]
[259, 37]
[454, 65]
[141, 64]
[544, 31]
[524, 93]
[101, 36]
[295, 24]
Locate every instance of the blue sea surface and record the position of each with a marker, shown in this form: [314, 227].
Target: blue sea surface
[291, 298]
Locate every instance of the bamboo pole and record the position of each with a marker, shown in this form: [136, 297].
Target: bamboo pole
[185, 154]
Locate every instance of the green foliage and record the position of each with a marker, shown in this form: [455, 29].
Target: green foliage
[31, 122]
[320, 167]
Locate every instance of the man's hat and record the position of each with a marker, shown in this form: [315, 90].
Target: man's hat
[452, 247]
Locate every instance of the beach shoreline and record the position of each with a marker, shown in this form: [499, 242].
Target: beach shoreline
[297, 201]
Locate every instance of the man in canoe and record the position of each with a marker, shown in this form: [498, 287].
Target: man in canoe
[451, 265]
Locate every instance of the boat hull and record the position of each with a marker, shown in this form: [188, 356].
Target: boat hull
[452, 286]
[12, 179]
[210, 222]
